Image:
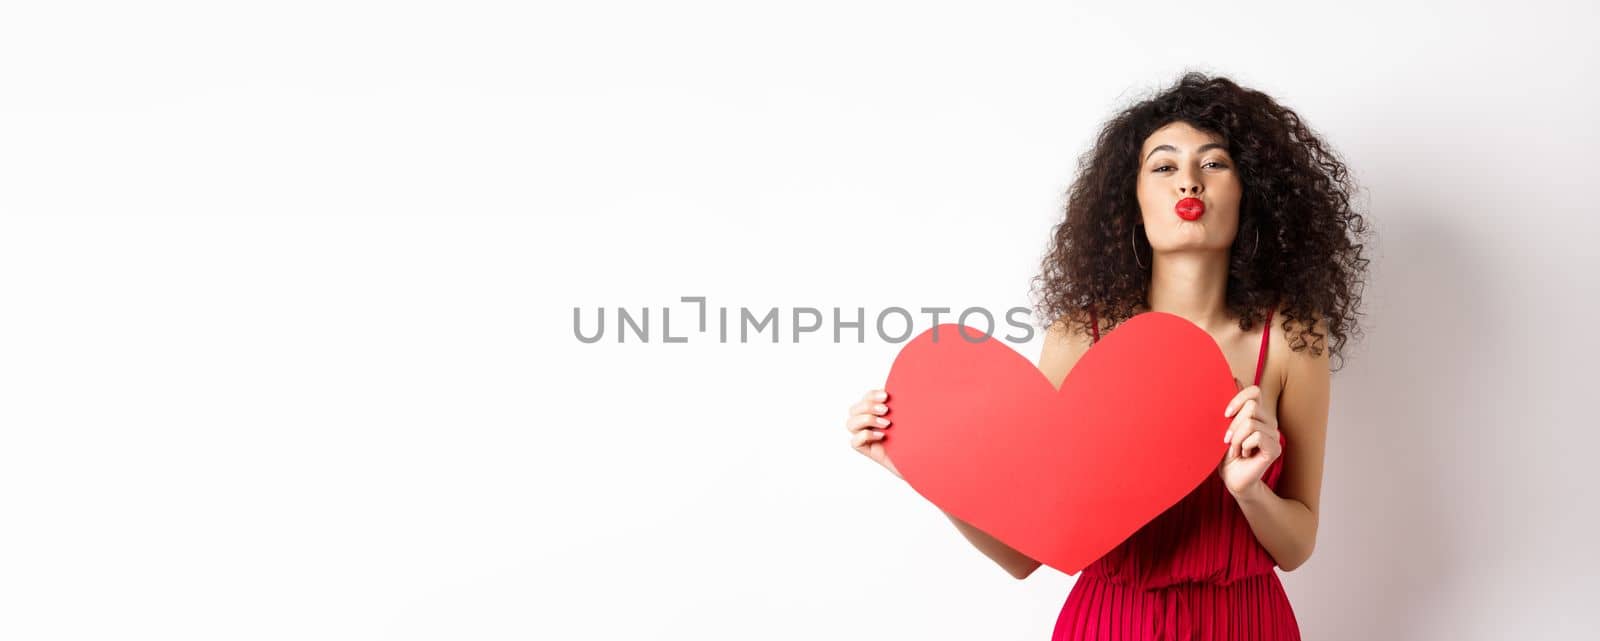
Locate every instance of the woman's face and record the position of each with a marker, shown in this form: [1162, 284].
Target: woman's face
[1180, 162]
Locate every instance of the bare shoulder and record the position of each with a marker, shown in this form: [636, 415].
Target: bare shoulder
[1308, 363]
[1303, 408]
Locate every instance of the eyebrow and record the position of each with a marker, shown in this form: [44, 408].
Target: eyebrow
[1202, 149]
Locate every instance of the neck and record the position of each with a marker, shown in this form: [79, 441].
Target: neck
[1192, 285]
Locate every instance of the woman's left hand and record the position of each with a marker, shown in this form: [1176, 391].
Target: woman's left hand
[1252, 442]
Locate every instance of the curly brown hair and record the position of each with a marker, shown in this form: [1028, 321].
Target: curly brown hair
[1296, 199]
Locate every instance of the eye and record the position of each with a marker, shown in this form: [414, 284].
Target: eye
[1219, 164]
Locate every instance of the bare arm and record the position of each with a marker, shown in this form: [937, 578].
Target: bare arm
[1016, 563]
[1286, 521]
[1062, 349]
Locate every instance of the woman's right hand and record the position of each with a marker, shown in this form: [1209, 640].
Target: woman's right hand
[867, 425]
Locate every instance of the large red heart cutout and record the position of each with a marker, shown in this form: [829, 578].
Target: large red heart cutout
[1061, 475]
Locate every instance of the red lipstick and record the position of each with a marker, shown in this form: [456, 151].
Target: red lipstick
[1190, 208]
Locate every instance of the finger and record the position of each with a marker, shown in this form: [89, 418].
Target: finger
[1246, 394]
[868, 406]
[1243, 427]
[1251, 445]
[865, 436]
[867, 399]
[860, 422]
[1247, 412]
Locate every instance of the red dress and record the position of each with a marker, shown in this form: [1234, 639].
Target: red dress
[1196, 572]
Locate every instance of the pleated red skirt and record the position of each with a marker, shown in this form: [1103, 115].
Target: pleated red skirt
[1196, 572]
[1250, 609]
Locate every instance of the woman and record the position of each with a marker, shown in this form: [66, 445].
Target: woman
[1215, 203]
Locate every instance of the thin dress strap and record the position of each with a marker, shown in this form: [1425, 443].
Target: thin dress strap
[1096, 321]
[1266, 333]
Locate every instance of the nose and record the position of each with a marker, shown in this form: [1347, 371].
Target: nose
[1188, 181]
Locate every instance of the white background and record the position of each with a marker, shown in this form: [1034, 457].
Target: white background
[286, 299]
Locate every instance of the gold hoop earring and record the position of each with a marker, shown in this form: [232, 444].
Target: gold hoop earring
[1134, 242]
